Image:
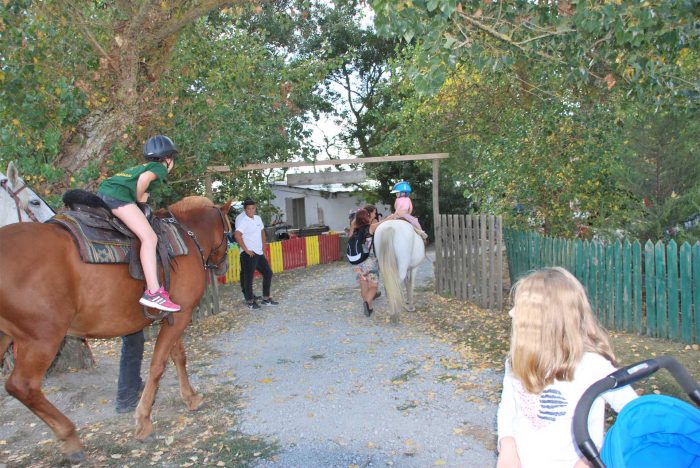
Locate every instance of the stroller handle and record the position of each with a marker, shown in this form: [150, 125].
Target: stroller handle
[620, 378]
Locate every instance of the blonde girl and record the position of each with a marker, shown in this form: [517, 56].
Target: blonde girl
[557, 351]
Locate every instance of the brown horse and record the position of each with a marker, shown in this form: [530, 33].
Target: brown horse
[47, 292]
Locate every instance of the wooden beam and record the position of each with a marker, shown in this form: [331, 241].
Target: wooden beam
[314, 178]
[333, 162]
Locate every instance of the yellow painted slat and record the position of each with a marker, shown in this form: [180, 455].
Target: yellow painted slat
[233, 275]
[313, 255]
[276, 261]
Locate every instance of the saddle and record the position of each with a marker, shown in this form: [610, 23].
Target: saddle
[103, 238]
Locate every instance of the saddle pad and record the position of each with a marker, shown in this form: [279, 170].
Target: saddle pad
[98, 245]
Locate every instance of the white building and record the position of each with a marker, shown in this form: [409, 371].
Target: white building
[328, 205]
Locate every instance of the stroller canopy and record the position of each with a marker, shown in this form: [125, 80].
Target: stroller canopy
[654, 430]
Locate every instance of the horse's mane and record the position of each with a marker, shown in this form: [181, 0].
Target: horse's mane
[190, 203]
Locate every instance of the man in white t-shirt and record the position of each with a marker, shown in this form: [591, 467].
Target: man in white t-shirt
[250, 236]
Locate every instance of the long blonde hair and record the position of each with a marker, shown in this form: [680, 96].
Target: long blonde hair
[553, 325]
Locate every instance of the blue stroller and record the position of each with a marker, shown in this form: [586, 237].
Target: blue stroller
[650, 431]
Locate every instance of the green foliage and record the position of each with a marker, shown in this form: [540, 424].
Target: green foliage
[37, 99]
[647, 47]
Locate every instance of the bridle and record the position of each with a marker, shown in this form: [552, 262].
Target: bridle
[208, 265]
[224, 243]
[18, 203]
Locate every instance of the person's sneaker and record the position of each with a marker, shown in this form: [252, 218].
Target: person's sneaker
[159, 300]
[269, 302]
[253, 305]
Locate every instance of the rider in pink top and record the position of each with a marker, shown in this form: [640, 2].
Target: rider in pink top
[404, 207]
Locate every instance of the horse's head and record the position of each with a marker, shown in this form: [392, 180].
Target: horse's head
[213, 229]
[18, 202]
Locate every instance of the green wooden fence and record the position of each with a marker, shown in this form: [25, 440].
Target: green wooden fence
[652, 289]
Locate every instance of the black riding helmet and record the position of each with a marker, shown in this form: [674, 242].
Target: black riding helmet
[158, 148]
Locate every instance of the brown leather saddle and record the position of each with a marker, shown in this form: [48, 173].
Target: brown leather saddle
[103, 238]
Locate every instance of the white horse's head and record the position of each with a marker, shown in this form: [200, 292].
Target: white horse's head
[16, 197]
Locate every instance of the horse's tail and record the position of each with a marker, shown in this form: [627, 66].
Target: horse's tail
[388, 268]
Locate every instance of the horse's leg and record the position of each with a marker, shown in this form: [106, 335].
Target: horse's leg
[24, 383]
[5, 341]
[189, 396]
[409, 282]
[164, 343]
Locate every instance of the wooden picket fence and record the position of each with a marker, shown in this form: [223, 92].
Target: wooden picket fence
[469, 259]
[652, 290]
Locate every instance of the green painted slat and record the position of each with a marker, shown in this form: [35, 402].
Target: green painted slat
[578, 262]
[672, 287]
[660, 269]
[637, 287]
[585, 274]
[602, 305]
[627, 286]
[696, 290]
[618, 277]
[609, 286]
[593, 277]
[572, 253]
[649, 282]
[685, 267]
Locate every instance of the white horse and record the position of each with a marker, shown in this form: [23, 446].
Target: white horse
[18, 202]
[399, 251]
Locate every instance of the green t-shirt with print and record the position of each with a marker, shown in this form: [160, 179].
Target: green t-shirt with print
[122, 185]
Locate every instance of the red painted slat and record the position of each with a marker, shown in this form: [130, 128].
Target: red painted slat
[294, 253]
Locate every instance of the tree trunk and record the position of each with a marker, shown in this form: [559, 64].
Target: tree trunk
[93, 141]
[74, 353]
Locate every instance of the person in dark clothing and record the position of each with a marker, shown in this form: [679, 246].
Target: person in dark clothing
[130, 384]
[250, 236]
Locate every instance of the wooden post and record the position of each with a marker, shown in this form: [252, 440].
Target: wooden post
[208, 191]
[436, 225]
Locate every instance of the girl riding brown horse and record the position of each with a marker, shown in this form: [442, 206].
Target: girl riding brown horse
[47, 292]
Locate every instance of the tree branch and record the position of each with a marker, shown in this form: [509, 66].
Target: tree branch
[88, 35]
[139, 19]
[542, 36]
[502, 37]
[175, 25]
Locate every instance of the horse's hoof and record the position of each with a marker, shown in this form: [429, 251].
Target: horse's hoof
[148, 439]
[75, 458]
[194, 402]
[143, 431]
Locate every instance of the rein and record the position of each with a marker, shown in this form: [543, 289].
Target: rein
[18, 203]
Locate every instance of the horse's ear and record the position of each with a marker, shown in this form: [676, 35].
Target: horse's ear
[12, 174]
[226, 207]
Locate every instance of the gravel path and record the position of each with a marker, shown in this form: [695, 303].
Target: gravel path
[335, 388]
[327, 385]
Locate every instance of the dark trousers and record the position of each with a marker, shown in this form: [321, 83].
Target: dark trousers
[129, 383]
[248, 267]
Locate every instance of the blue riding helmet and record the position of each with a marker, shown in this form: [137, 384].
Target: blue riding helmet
[401, 187]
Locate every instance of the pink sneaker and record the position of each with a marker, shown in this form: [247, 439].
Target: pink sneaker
[159, 300]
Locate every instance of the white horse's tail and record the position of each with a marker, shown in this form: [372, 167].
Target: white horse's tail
[390, 272]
